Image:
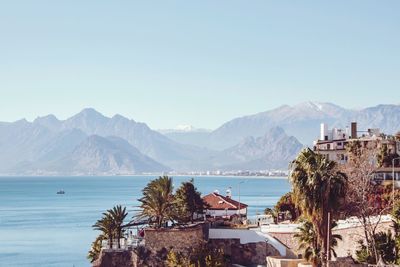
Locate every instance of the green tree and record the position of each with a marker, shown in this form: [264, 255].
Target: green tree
[176, 259]
[157, 201]
[385, 247]
[118, 215]
[203, 256]
[308, 242]
[286, 204]
[107, 227]
[95, 249]
[396, 228]
[269, 211]
[382, 155]
[318, 190]
[187, 202]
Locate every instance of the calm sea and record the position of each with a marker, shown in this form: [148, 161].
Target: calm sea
[40, 228]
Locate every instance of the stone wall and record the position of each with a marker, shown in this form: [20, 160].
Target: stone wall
[244, 254]
[289, 241]
[180, 239]
[346, 247]
[351, 236]
[284, 262]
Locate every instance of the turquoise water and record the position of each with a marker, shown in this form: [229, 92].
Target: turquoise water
[40, 228]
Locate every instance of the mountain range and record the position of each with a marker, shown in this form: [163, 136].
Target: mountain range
[301, 121]
[92, 144]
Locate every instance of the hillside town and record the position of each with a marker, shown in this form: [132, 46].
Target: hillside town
[343, 210]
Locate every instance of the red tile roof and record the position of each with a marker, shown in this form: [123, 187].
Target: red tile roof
[219, 202]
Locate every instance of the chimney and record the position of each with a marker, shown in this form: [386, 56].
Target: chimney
[229, 192]
[354, 130]
[324, 132]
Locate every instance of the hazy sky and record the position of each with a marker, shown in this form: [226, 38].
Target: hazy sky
[194, 62]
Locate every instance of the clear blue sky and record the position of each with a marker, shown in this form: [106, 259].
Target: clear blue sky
[194, 62]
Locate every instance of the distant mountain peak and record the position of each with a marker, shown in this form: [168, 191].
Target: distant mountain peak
[21, 122]
[89, 112]
[184, 128]
[49, 121]
[49, 117]
[316, 105]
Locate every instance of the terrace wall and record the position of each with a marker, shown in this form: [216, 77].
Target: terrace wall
[179, 239]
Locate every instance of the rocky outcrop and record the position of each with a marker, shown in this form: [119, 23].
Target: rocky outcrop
[114, 258]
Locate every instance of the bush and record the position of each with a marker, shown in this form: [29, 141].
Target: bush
[385, 246]
[204, 256]
[286, 204]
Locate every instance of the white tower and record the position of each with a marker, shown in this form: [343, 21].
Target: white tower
[324, 131]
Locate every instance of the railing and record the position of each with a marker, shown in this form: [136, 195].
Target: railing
[125, 243]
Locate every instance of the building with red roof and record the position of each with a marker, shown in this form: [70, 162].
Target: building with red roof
[224, 206]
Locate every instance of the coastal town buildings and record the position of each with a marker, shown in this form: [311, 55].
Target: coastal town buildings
[332, 143]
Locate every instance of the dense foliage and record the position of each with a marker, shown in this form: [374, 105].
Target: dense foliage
[159, 205]
[387, 244]
[95, 249]
[385, 247]
[384, 158]
[308, 242]
[286, 204]
[205, 256]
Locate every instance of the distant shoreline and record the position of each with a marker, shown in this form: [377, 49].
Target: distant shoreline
[148, 175]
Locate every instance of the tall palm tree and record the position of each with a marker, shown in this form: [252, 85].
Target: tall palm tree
[107, 227]
[318, 190]
[118, 215]
[157, 201]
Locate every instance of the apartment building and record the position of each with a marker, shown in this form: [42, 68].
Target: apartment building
[332, 143]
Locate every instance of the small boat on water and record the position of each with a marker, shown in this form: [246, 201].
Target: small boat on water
[61, 192]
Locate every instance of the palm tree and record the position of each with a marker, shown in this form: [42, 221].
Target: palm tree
[187, 202]
[118, 215]
[157, 201]
[107, 227]
[308, 242]
[318, 190]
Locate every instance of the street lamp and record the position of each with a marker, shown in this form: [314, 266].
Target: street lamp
[393, 179]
